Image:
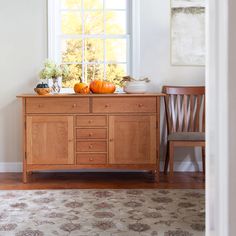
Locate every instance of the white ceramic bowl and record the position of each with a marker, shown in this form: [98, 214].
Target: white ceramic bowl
[135, 87]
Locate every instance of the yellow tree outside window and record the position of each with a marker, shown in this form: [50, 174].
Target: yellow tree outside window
[94, 42]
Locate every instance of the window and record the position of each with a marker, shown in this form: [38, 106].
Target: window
[93, 37]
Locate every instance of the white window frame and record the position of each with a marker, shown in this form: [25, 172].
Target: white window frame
[133, 35]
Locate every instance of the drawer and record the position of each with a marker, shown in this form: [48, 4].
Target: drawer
[91, 158]
[91, 146]
[91, 121]
[120, 105]
[57, 105]
[91, 133]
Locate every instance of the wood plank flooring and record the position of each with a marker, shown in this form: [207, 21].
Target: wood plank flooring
[102, 180]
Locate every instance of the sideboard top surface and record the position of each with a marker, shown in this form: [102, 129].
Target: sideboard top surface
[90, 95]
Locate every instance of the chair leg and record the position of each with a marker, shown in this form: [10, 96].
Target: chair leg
[167, 159]
[203, 159]
[171, 158]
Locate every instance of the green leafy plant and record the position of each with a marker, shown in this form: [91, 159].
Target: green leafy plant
[52, 70]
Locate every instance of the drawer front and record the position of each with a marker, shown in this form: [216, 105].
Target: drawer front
[57, 105]
[91, 158]
[120, 105]
[91, 146]
[91, 133]
[91, 121]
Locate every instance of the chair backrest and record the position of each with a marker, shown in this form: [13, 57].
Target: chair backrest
[185, 108]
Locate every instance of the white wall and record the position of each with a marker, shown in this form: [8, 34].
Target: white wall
[155, 63]
[23, 47]
[155, 48]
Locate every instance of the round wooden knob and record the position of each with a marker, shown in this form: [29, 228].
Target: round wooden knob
[106, 105]
[40, 105]
[90, 134]
[74, 105]
[90, 121]
[90, 146]
[140, 105]
[90, 159]
[111, 140]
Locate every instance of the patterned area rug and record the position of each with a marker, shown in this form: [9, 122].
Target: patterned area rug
[102, 213]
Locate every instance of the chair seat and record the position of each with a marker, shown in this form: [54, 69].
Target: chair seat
[186, 136]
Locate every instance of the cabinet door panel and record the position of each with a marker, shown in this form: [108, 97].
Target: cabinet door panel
[132, 139]
[50, 140]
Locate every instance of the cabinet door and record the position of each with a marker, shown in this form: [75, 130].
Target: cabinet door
[132, 139]
[50, 140]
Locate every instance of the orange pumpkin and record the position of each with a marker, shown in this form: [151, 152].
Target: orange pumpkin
[102, 86]
[85, 90]
[82, 88]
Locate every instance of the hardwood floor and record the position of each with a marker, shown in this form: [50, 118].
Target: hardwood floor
[104, 180]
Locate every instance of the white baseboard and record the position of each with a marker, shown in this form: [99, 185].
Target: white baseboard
[184, 166]
[179, 166]
[10, 167]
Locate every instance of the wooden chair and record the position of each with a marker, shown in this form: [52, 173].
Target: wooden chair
[185, 114]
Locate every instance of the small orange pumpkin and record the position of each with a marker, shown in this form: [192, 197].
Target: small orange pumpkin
[102, 86]
[82, 88]
[85, 90]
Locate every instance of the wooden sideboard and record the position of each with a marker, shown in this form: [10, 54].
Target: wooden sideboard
[72, 132]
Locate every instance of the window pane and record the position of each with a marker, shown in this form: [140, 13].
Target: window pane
[115, 22]
[94, 50]
[92, 72]
[74, 76]
[116, 50]
[115, 72]
[72, 50]
[71, 23]
[93, 22]
[115, 4]
[93, 4]
[71, 4]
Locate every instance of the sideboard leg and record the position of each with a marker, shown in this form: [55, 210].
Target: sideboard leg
[25, 177]
[156, 176]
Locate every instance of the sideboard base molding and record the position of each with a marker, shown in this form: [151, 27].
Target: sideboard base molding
[96, 167]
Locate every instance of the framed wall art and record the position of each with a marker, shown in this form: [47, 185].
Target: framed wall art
[188, 32]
